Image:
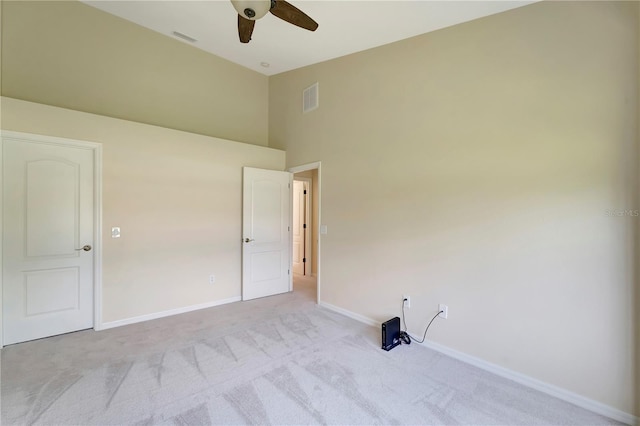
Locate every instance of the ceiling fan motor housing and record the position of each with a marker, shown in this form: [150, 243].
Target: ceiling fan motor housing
[252, 9]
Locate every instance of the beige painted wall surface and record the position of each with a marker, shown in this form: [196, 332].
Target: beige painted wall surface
[475, 166]
[1, 255]
[68, 54]
[637, 247]
[177, 198]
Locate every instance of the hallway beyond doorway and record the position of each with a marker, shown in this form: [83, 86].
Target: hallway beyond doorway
[306, 284]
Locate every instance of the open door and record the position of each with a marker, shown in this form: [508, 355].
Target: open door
[266, 213]
[299, 227]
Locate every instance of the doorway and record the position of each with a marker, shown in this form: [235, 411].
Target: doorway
[306, 225]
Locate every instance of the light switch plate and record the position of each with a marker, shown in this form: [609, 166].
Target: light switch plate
[115, 232]
[323, 229]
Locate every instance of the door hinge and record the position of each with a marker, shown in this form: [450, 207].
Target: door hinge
[288, 272]
[305, 192]
[304, 226]
[304, 259]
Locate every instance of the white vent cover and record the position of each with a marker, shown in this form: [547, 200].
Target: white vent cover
[310, 98]
[184, 37]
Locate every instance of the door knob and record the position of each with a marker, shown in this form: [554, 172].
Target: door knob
[248, 240]
[85, 248]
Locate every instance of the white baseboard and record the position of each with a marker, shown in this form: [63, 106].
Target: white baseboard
[349, 314]
[156, 315]
[549, 389]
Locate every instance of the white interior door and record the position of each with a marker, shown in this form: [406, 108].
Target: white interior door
[297, 229]
[47, 220]
[266, 212]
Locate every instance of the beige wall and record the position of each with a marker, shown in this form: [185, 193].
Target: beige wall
[637, 248]
[1, 255]
[474, 166]
[176, 197]
[68, 54]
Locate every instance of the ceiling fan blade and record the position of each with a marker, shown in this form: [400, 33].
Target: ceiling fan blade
[245, 29]
[293, 15]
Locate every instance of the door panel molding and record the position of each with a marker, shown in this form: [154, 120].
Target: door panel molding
[96, 149]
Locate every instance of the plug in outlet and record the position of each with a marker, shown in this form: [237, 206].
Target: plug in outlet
[406, 300]
[212, 279]
[444, 311]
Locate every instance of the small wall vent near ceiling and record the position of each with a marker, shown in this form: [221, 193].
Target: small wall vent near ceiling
[184, 37]
[310, 98]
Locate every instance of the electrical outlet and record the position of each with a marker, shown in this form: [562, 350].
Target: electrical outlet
[212, 279]
[445, 311]
[406, 300]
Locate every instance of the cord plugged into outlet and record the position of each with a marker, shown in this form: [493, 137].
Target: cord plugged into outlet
[443, 311]
[406, 301]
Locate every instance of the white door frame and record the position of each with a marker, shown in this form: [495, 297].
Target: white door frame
[97, 213]
[303, 168]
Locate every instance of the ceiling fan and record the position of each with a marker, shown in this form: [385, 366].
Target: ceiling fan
[251, 10]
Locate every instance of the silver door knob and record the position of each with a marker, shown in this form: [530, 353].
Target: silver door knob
[85, 248]
[248, 240]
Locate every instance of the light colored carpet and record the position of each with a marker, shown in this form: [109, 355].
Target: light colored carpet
[277, 360]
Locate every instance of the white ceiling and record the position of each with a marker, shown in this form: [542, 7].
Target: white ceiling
[345, 26]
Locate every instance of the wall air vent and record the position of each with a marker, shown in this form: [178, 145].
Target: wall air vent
[184, 37]
[310, 98]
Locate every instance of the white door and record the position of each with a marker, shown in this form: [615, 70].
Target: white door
[266, 212]
[299, 217]
[47, 220]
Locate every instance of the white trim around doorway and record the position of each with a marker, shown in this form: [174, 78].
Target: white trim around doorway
[303, 168]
